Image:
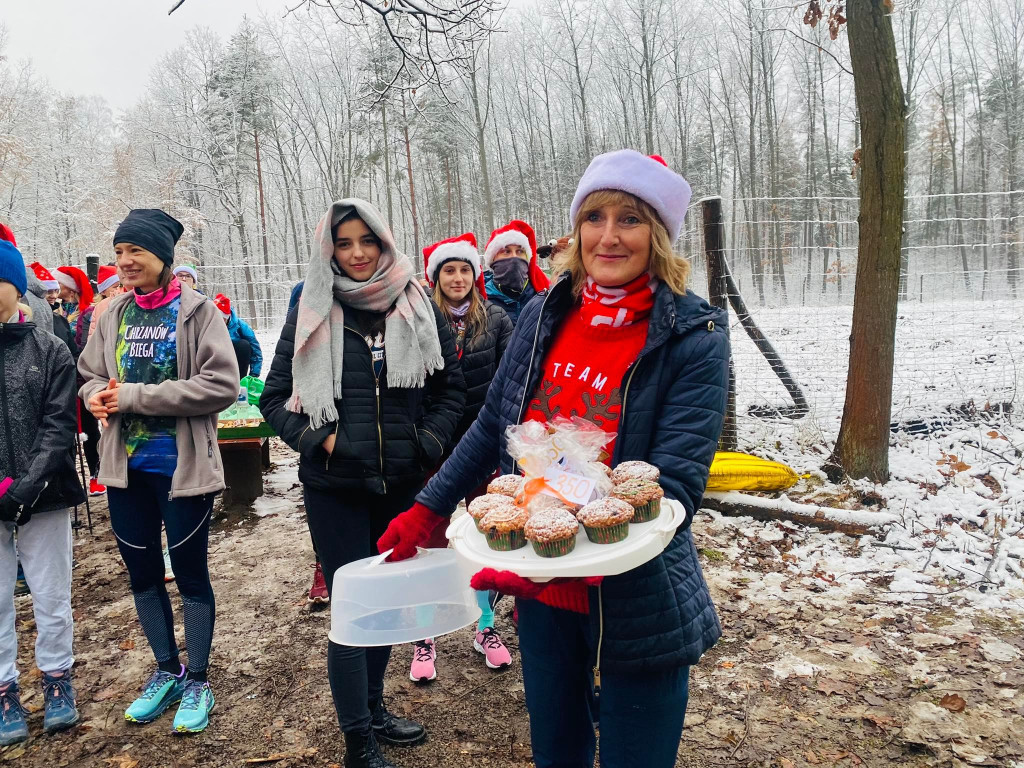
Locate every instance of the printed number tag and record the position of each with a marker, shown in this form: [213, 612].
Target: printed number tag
[576, 489]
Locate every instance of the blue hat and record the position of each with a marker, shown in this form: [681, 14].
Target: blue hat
[12, 267]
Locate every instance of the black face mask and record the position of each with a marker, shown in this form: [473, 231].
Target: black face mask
[510, 276]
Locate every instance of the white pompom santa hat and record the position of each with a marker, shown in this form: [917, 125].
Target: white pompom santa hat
[647, 177]
[519, 233]
[106, 278]
[459, 248]
[44, 276]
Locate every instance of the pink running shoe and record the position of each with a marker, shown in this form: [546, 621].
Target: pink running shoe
[423, 656]
[495, 653]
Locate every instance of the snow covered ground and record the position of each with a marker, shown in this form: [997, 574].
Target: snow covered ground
[955, 501]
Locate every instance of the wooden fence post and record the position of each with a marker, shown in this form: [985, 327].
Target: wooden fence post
[718, 295]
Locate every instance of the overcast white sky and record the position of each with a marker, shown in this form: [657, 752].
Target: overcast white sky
[108, 47]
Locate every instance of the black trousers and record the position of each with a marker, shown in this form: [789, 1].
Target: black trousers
[345, 526]
[243, 354]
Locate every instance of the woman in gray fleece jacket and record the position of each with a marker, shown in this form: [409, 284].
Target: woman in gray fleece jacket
[158, 370]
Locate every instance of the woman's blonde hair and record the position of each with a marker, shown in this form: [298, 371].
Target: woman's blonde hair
[476, 316]
[666, 265]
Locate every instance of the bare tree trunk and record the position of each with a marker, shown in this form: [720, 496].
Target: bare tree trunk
[862, 449]
[412, 189]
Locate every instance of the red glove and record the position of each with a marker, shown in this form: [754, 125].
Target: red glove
[407, 531]
[508, 583]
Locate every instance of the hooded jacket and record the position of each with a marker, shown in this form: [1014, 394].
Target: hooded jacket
[207, 383]
[42, 313]
[659, 614]
[238, 329]
[39, 422]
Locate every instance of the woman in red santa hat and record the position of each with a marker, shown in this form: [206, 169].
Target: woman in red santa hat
[512, 275]
[481, 330]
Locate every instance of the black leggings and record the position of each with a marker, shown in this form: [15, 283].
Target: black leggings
[91, 428]
[136, 513]
[345, 527]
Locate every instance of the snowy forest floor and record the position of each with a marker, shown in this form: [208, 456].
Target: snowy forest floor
[835, 651]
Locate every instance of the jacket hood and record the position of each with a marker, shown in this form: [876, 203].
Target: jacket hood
[12, 332]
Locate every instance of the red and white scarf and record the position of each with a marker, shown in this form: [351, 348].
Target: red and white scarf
[619, 306]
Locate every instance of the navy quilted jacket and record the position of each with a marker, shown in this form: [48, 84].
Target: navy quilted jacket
[659, 614]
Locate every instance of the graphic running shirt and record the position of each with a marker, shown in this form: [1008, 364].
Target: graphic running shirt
[147, 354]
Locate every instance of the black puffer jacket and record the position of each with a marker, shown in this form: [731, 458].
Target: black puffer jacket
[481, 354]
[38, 420]
[385, 437]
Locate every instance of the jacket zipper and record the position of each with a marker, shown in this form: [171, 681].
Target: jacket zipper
[7, 413]
[424, 429]
[600, 638]
[529, 370]
[380, 433]
[337, 426]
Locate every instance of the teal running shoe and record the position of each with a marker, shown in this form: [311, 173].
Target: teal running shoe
[13, 727]
[162, 690]
[59, 699]
[195, 708]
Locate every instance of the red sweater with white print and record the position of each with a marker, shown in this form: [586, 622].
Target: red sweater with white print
[583, 376]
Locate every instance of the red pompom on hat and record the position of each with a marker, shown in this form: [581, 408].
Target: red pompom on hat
[77, 281]
[106, 278]
[223, 304]
[459, 248]
[44, 276]
[6, 234]
[519, 233]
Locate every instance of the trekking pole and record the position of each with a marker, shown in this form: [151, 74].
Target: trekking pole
[81, 468]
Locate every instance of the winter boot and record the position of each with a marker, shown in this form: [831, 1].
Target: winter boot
[391, 729]
[362, 751]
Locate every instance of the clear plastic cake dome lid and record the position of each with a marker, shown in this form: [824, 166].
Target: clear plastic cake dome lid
[374, 602]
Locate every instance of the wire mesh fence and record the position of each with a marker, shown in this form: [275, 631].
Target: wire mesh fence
[960, 329]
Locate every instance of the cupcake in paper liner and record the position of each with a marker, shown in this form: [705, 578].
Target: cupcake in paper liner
[552, 532]
[635, 470]
[506, 485]
[481, 505]
[606, 521]
[643, 495]
[504, 528]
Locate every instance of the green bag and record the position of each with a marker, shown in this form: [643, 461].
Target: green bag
[254, 387]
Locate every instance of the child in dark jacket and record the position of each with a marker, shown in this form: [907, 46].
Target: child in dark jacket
[38, 485]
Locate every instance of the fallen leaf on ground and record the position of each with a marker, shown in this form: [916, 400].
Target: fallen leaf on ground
[829, 686]
[786, 763]
[122, 761]
[953, 703]
[127, 645]
[107, 693]
[810, 757]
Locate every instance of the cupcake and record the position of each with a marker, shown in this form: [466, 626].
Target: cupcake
[552, 532]
[635, 470]
[504, 526]
[506, 485]
[606, 521]
[643, 495]
[481, 505]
